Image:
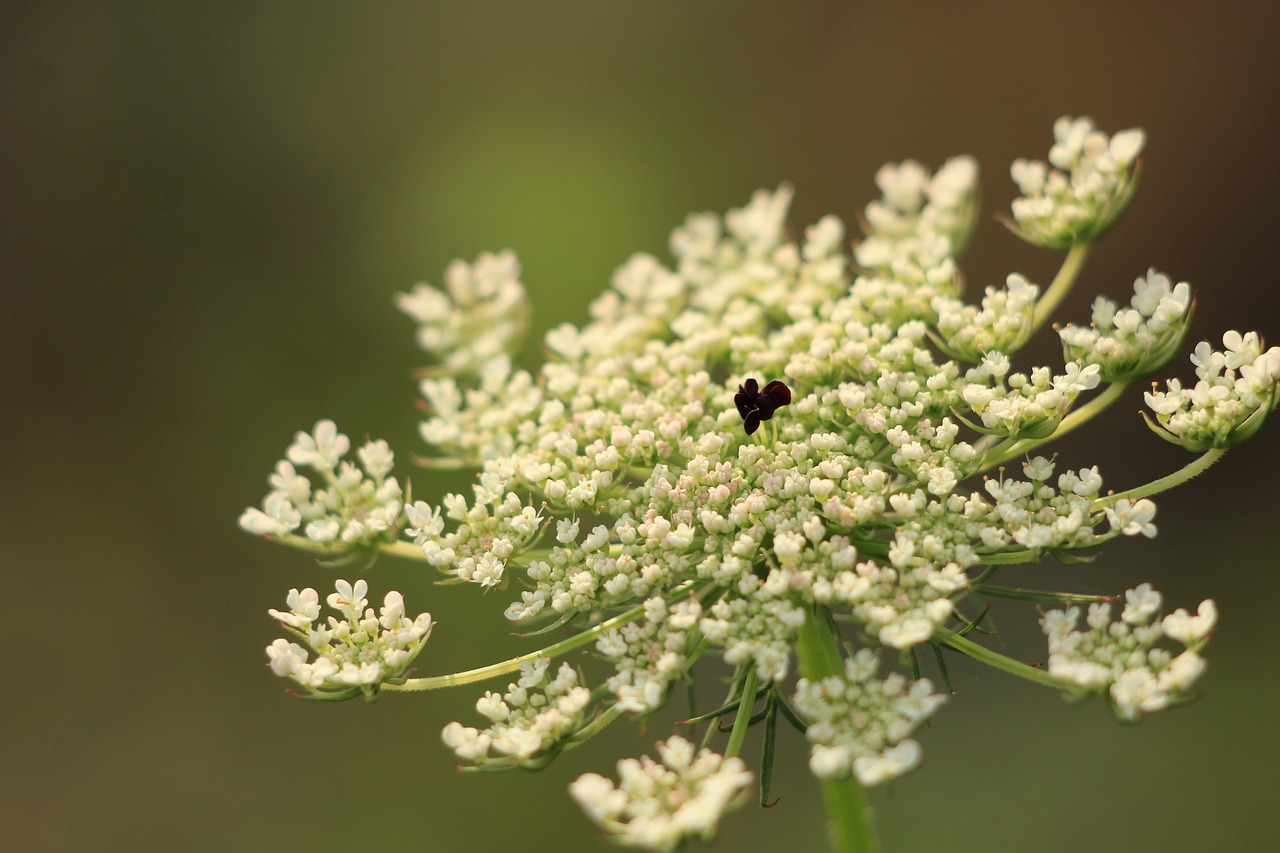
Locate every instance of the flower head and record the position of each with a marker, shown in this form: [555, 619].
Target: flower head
[354, 654]
[658, 804]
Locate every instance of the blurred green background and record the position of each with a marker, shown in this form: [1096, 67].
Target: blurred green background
[207, 209]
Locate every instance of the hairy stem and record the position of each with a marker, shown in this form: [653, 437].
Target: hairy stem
[1193, 468]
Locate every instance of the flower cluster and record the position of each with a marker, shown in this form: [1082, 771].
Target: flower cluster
[859, 723]
[915, 231]
[1018, 405]
[1121, 657]
[1087, 183]
[480, 315]
[492, 530]
[1128, 343]
[1002, 323]
[354, 654]
[530, 723]
[781, 453]
[649, 655]
[474, 421]
[656, 805]
[1236, 391]
[353, 506]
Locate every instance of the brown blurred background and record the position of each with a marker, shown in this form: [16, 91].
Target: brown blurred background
[207, 208]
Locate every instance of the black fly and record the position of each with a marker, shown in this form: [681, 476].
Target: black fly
[755, 405]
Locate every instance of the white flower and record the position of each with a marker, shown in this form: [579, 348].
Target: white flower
[859, 724]
[276, 518]
[655, 806]
[915, 452]
[888, 764]
[358, 651]
[1133, 517]
[1191, 630]
[345, 508]
[304, 608]
[321, 449]
[1122, 657]
[1089, 185]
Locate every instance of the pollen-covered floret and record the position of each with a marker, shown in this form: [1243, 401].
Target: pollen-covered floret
[344, 506]
[529, 724]
[360, 651]
[656, 805]
[1121, 657]
[859, 723]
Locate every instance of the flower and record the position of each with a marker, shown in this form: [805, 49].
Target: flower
[1237, 391]
[1088, 182]
[1122, 657]
[349, 506]
[479, 316]
[658, 804]
[354, 654]
[859, 724]
[624, 489]
[1133, 342]
[530, 723]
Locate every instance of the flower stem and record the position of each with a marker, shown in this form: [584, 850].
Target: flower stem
[1006, 664]
[1193, 468]
[1061, 286]
[819, 655]
[594, 727]
[399, 548]
[493, 670]
[741, 721]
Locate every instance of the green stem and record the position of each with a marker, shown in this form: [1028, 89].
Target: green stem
[1061, 286]
[1193, 468]
[1073, 419]
[399, 548]
[818, 652]
[1007, 664]
[594, 727]
[742, 720]
[493, 670]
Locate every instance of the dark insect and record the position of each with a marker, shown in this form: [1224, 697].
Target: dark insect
[755, 405]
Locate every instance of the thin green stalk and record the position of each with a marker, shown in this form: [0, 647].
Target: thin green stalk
[1061, 286]
[399, 548]
[743, 719]
[1193, 468]
[494, 670]
[594, 727]
[818, 652]
[1007, 664]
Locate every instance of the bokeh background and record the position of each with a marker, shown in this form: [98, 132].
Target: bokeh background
[206, 210]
